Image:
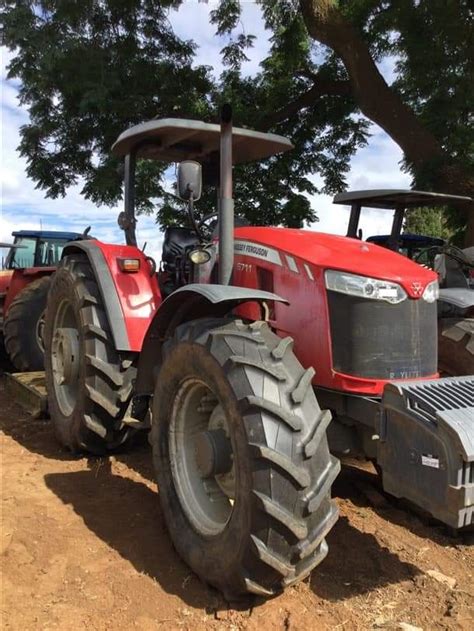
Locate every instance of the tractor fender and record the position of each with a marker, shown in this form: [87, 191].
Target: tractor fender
[189, 303]
[457, 296]
[130, 299]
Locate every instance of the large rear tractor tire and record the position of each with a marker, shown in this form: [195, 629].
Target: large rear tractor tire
[89, 384]
[24, 326]
[241, 456]
[456, 347]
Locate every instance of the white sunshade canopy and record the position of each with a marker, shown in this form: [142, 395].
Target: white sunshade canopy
[175, 139]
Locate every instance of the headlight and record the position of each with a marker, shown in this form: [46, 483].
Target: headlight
[364, 287]
[198, 256]
[431, 292]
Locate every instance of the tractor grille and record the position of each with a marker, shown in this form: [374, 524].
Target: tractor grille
[378, 340]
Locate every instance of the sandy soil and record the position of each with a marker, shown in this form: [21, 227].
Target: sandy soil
[84, 547]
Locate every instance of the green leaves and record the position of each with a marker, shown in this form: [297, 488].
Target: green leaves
[90, 69]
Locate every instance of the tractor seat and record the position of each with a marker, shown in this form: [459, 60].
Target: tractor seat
[175, 244]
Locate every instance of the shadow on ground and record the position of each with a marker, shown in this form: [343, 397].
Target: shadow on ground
[351, 484]
[357, 564]
[126, 515]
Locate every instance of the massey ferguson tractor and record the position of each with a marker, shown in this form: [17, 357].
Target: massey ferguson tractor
[24, 283]
[264, 336]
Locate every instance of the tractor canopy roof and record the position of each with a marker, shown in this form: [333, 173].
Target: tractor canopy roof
[408, 239]
[393, 198]
[47, 234]
[175, 139]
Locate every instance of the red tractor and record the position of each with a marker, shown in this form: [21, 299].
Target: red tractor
[265, 335]
[24, 284]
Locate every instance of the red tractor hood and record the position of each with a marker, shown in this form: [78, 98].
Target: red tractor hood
[327, 251]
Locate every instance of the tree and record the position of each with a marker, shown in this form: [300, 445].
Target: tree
[428, 108]
[430, 222]
[320, 85]
[90, 69]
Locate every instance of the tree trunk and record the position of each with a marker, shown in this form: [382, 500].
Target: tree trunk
[383, 106]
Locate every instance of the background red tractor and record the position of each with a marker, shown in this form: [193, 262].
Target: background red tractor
[24, 284]
[238, 385]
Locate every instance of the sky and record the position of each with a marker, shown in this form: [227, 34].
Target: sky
[24, 206]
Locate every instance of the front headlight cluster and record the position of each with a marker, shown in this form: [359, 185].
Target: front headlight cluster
[199, 256]
[431, 292]
[373, 288]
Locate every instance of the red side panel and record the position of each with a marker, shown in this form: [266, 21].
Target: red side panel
[138, 292]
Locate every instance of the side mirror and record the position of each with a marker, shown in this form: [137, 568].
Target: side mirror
[189, 180]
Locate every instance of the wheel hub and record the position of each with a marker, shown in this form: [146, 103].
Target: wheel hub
[225, 478]
[201, 457]
[213, 452]
[65, 356]
[40, 331]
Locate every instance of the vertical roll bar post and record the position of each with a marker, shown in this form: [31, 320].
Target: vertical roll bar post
[129, 198]
[226, 206]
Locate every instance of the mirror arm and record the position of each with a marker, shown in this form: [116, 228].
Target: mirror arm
[129, 198]
[192, 218]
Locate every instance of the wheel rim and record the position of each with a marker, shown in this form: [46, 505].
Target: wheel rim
[40, 331]
[65, 358]
[201, 458]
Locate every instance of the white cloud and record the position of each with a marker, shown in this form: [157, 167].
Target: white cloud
[24, 206]
[191, 21]
[374, 166]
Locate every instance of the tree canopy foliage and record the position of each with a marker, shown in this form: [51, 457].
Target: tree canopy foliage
[89, 69]
[431, 222]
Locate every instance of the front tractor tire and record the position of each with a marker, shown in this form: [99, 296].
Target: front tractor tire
[241, 457]
[24, 326]
[89, 385]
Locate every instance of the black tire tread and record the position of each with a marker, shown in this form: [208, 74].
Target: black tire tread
[22, 353]
[308, 513]
[107, 384]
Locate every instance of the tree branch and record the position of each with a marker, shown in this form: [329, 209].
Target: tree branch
[380, 103]
[323, 87]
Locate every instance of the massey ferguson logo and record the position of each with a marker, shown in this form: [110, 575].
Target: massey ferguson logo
[417, 287]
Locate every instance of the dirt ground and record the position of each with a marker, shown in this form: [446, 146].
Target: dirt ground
[84, 547]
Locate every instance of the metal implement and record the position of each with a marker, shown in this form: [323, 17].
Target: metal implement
[426, 447]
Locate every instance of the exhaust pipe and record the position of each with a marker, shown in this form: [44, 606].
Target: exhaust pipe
[226, 202]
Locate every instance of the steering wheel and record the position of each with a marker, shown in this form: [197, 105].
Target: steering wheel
[152, 263]
[207, 226]
[452, 251]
